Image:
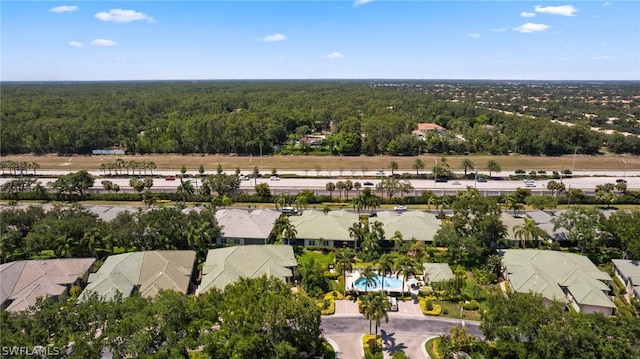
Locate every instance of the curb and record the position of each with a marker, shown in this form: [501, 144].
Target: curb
[423, 347]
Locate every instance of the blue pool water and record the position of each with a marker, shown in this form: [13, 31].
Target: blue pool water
[390, 283]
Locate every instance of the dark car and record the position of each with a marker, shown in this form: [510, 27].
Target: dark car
[368, 183]
[482, 180]
[170, 178]
[620, 180]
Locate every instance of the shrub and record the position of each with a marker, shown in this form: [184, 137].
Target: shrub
[435, 310]
[399, 355]
[327, 306]
[472, 305]
[445, 311]
[331, 276]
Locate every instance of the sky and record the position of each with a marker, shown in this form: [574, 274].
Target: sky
[362, 39]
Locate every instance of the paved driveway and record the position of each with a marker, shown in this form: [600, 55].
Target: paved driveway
[407, 329]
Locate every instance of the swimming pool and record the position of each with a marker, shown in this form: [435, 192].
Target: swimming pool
[392, 284]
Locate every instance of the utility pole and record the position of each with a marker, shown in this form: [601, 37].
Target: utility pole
[435, 174]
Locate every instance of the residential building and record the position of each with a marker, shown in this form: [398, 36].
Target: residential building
[510, 222]
[23, 282]
[145, 272]
[436, 272]
[567, 277]
[420, 225]
[319, 229]
[544, 220]
[240, 227]
[226, 265]
[423, 128]
[628, 271]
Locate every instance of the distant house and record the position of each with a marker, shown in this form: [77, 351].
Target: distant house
[331, 229]
[544, 220]
[23, 282]
[628, 271]
[239, 226]
[145, 272]
[436, 272]
[226, 265]
[423, 128]
[566, 277]
[420, 225]
[510, 222]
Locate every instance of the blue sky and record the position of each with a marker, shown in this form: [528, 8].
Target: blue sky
[171, 40]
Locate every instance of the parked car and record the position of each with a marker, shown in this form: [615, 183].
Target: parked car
[289, 210]
[368, 183]
[399, 208]
[170, 178]
[393, 304]
[274, 178]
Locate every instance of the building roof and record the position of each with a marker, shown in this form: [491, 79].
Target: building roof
[240, 223]
[630, 269]
[544, 220]
[429, 127]
[226, 265]
[149, 272]
[333, 225]
[510, 221]
[420, 225]
[23, 282]
[548, 272]
[436, 272]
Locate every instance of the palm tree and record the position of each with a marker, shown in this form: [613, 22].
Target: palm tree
[369, 276]
[302, 200]
[330, 187]
[357, 233]
[359, 203]
[418, 165]
[289, 230]
[397, 240]
[385, 266]
[467, 164]
[394, 167]
[493, 166]
[345, 258]
[34, 167]
[348, 186]
[528, 232]
[281, 201]
[378, 308]
[406, 267]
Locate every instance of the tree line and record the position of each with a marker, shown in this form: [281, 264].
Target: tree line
[249, 118]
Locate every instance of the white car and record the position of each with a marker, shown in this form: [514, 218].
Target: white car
[399, 208]
[380, 173]
[274, 178]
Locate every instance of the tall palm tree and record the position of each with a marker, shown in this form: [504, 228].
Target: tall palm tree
[357, 233]
[385, 266]
[394, 167]
[289, 231]
[378, 308]
[330, 187]
[281, 201]
[528, 232]
[493, 166]
[369, 276]
[345, 258]
[397, 240]
[406, 267]
[359, 203]
[418, 165]
[467, 164]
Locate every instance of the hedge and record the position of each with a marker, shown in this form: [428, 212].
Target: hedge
[436, 311]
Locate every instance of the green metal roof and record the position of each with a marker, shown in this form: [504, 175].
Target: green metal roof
[548, 272]
[226, 265]
[420, 225]
[333, 225]
[435, 272]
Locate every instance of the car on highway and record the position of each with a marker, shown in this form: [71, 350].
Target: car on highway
[482, 180]
[456, 183]
[380, 173]
[289, 210]
[399, 208]
[274, 178]
[170, 178]
[243, 178]
[620, 180]
[367, 183]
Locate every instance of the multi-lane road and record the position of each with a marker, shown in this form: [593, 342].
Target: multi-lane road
[318, 185]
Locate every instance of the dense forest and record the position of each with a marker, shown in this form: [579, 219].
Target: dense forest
[349, 118]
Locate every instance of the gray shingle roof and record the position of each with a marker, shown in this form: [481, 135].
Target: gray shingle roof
[435, 272]
[226, 265]
[23, 282]
[630, 270]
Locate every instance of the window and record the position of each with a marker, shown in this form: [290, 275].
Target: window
[223, 241]
[325, 243]
[312, 242]
[236, 241]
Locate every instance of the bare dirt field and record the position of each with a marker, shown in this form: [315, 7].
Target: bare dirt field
[317, 163]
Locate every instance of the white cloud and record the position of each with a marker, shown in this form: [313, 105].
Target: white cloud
[531, 27]
[474, 35]
[75, 44]
[502, 29]
[122, 16]
[606, 3]
[64, 8]
[361, 2]
[334, 55]
[564, 10]
[274, 38]
[527, 14]
[103, 42]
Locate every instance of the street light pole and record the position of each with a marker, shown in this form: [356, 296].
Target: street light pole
[624, 176]
[475, 181]
[435, 174]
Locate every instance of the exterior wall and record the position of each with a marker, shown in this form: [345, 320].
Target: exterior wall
[318, 243]
[230, 241]
[627, 283]
[248, 241]
[589, 309]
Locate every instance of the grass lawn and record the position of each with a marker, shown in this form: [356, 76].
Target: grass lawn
[323, 258]
[454, 311]
[429, 345]
[340, 165]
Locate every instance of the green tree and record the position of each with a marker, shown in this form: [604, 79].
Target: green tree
[493, 166]
[529, 232]
[467, 164]
[418, 165]
[394, 167]
[375, 307]
[406, 267]
[581, 227]
[312, 278]
[385, 266]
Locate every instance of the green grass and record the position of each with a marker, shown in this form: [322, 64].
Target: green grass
[454, 311]
[432, 342]
[323, 258]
